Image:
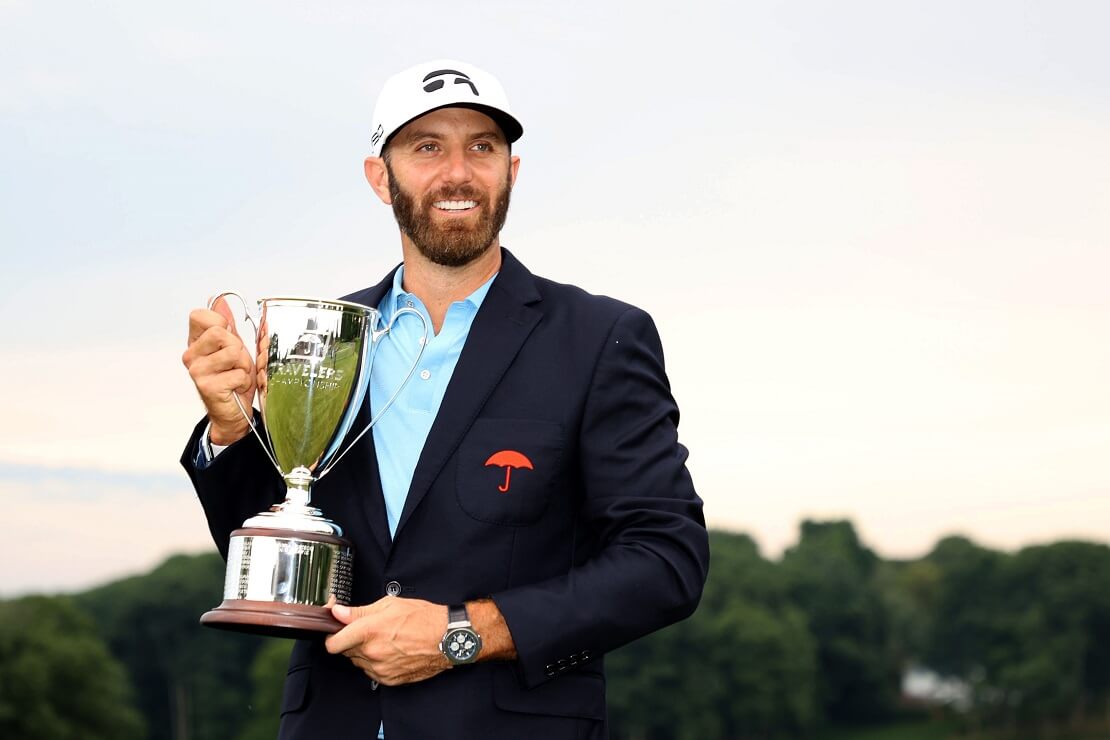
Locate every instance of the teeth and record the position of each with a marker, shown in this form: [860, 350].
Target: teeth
[455, 205]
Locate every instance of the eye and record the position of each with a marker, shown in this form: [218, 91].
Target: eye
[482, 146]
[430, 146]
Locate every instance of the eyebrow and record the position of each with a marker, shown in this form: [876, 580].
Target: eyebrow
[415, 134]
[491, 134]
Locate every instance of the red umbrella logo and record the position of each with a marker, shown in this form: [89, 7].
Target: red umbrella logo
[508, 459]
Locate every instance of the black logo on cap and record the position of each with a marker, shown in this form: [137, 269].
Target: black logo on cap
[460, 79]
[377, 135]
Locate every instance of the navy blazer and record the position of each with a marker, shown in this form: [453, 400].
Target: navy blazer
[600, 542]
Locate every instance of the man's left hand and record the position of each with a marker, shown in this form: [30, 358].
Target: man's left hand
[394, 640]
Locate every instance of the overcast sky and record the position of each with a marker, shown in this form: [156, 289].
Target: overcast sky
[874, 236]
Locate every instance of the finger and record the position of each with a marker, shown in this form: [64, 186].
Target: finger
[220, 372]
[262, 357]
[216, 338]
[249, 367]
[202, 319]
[221, 307]
[348, 638]
[347, 614]
[359, 627]
[343, 613]
[221, 386]
[215, 354]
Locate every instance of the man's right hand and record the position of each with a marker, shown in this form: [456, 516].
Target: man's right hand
[220, 367]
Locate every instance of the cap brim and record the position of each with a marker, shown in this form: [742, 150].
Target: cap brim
[509, 126]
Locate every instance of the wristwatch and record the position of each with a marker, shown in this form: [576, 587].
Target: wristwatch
[460, 643]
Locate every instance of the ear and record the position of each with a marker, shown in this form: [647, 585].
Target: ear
[514, 166]
[378, 177]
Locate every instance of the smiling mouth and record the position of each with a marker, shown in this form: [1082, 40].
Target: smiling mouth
[455, 205]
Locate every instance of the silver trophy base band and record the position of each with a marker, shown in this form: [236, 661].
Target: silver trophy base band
[281, 583]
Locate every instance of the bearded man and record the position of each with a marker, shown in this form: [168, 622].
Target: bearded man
[600, 541]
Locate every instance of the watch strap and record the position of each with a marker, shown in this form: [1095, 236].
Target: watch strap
[457, 616]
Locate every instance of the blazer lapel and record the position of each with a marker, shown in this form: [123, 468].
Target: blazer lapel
[361, 463]
[504, 321]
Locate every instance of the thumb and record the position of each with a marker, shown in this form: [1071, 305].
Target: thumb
[347, 614]
[221, 307]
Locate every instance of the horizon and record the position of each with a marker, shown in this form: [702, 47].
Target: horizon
[113, 560]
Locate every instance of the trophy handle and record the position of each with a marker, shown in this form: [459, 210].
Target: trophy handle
[376, 336]
[249, 417]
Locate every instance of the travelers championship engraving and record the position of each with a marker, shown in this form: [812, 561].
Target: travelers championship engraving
[311, 368]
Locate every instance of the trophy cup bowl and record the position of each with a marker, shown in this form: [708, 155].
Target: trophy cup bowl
[288, 565]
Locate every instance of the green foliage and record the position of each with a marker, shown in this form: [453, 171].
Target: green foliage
[811, 646]
[743, 666]
[1030, 631]
[968, 597]
[1066, 586]
[191, 681]
[267, 678]
[57, 679]
[909, 592]
[834, 580]
[921, 729]
[775, 648]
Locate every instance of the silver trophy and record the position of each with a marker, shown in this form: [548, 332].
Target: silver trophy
[288, 565]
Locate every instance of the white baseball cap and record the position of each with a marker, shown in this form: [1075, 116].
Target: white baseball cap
[441, 83]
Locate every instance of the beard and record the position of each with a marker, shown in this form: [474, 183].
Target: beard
[455, 243]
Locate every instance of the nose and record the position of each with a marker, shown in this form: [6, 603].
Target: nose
[456, 167]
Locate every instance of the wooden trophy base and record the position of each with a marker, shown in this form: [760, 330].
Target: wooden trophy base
[272, 619]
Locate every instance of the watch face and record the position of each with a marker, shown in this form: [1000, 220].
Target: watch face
[461, 645]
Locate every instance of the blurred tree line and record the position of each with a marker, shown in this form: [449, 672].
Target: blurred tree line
[778, 649]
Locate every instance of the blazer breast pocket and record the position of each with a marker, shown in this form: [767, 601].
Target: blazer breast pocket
[508, 469]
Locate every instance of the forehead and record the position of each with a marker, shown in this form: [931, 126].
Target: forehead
[448, 122]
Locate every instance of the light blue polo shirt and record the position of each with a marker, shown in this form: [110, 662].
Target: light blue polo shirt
[400, 433]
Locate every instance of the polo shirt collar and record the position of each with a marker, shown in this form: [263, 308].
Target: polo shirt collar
[400, 298]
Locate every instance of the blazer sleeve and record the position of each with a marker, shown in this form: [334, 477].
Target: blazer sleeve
[639, 497]
[240, 482]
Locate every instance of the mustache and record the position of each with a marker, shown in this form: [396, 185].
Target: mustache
[462, 192]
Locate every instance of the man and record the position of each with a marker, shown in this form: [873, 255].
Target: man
[595, 539]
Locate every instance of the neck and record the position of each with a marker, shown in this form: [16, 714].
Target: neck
[438, 286]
